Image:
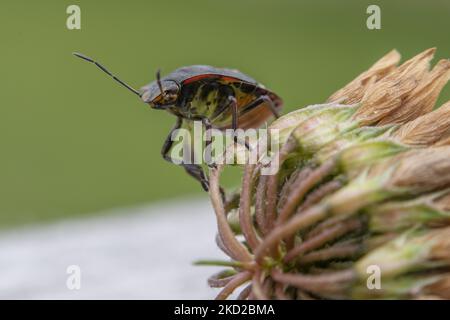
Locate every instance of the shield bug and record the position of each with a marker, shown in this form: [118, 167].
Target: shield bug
[220, 98]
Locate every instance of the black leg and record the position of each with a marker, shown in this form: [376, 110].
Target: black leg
[234, 120]
[168, 143]
[196, 171]
[210, 163]
[208, 127]
[234, 112]
[258, 102]
[193, 170]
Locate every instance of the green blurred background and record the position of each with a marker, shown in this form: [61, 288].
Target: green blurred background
[73, 142]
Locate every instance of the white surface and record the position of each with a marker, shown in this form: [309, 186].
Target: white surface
[141, 253]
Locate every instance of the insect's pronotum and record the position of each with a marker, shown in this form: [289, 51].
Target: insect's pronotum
[220, 98]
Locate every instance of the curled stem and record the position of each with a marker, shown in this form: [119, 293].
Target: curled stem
[308, 218]
[245, 218]
[299, 192]
[322, 238]
[272, 183]
[237, 281]
[217, 281]
[320, 193]
[260, 205]
[302, 295]
[245, 293]
[280, 294]
[298, 175]
[314, 197]
[334, 252]
[225, 232]
[222, 247]
[333, 282]
[258, 286]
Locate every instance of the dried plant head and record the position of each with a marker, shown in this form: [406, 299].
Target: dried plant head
[426, 129]
[422, 99]
[355, 90]
[387, 95]
[357, 185]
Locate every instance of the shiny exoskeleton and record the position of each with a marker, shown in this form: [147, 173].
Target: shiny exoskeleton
[220, 98]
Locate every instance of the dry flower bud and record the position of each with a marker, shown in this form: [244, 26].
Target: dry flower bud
[323, 127]
[410, 251]
[420, 170]
[400, 215]
[363, 154]
[405, 286]
[349, 139]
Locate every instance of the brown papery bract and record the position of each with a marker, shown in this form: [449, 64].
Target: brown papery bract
[422, 99]
[355, 90]
[388, 94]
[426, 129]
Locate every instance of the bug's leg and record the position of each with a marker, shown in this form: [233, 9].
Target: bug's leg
[210, 163]
[192, 169]
[234, 120]
[196, 171]
[168, 142]
[259, 102]
[208, 126]
[234, 112]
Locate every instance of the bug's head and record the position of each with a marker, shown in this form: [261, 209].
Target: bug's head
[160, 94]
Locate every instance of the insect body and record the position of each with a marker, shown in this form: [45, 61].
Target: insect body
[220, 98]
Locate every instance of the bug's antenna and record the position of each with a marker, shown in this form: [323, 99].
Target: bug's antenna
[158, 81]
[82, 56]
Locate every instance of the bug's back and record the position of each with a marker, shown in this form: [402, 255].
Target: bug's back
[205, 91]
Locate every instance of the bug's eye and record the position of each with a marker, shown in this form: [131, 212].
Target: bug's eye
[170, 92]
[170, 95]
